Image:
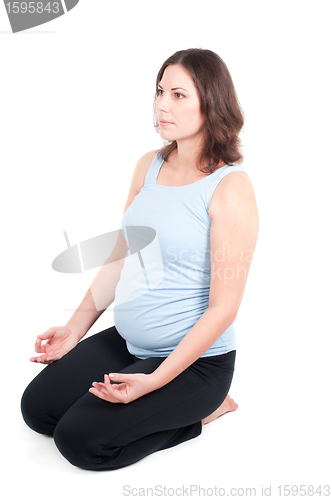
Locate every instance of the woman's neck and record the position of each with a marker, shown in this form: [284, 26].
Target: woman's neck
[185, 157]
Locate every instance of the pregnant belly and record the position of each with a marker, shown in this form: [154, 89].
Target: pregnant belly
[156, 319]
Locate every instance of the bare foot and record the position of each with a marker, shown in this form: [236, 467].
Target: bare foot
[227, 405]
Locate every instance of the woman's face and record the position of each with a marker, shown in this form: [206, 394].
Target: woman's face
[178, 106]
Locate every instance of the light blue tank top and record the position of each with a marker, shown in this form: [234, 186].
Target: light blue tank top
[164, 291]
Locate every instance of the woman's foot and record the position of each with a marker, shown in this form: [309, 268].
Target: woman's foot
[227, 405]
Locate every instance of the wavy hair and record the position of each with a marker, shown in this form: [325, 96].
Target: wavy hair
[220, 107]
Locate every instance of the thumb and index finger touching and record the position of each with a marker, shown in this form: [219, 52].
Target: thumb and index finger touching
[39, 347]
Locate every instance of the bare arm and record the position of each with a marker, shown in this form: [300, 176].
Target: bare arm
[61, 339]
[101, 292]
[234, 232]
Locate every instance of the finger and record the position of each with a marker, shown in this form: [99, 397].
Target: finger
[123, 387]
[123, 382]
[96, 392]
[120, 377]
[39, 347]
[119, 392]
[48, 357]
[101, 395]
[48, 334]
[107, 382]
[35, 359]
[97, 388]
[100, 387]
[41, 359]
[112, 390]
[107, 385]
[98, 384]
[112, 387]
[50, 354]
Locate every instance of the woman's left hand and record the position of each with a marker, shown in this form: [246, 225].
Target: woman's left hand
[128, 387]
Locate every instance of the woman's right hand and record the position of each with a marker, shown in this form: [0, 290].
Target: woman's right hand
[59, 341]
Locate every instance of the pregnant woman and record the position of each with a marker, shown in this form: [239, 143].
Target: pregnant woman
[152, 380]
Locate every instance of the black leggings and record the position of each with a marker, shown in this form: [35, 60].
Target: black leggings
[97, 435]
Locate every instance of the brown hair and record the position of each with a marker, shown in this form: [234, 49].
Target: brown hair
[219, 105]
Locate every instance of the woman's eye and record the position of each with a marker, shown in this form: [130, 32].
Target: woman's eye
[177, 95]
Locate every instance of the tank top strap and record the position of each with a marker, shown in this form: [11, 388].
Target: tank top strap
[152, 173]
[215, 178]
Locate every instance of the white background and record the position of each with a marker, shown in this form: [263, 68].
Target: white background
[76, 114]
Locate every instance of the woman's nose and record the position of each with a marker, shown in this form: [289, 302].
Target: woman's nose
[162, 103]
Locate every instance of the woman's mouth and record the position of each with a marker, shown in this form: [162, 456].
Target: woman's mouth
[164, 123]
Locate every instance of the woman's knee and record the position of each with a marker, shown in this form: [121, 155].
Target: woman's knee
[86, 435]
[34, 412]
[73, 440]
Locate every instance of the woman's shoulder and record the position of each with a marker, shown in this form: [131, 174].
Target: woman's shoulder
[147, 158]
[235, 189]
[142, 168]
[138, 178]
